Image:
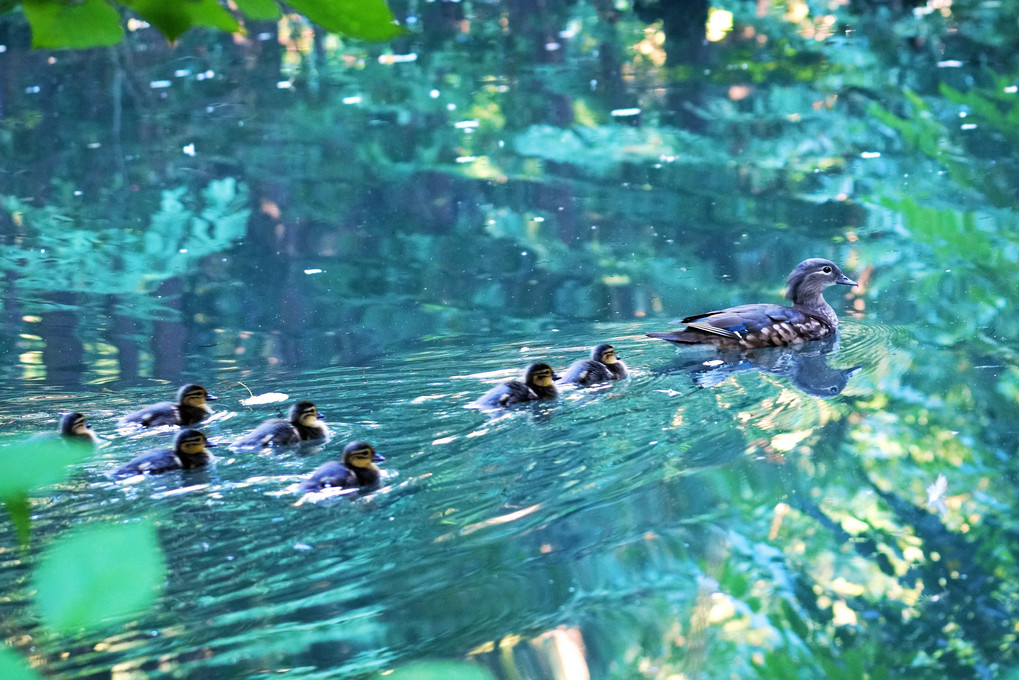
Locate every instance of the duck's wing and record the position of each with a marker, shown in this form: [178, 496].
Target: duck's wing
[504, 394]
[162, 413]
[739, 322]
[275, 432]
[329, 475]
[153, 462]
[586, 372]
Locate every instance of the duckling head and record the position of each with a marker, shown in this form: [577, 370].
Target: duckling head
[604, 353]
[195, 396]
[74, 425]
[191, 443]
[304, 413]
[540, 375]
[360, 455]
[812, 276]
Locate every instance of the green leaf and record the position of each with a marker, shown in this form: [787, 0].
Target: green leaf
[13, 667]
[19, 510]
[440, 670]
[173, 19]
[258, 10]
[97, 574]
[365, 19]
[36, 464]
[57, 24]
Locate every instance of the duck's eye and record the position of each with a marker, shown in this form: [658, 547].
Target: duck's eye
[826, 269]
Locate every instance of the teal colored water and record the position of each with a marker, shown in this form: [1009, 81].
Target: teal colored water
[609, 507]
[390, 230]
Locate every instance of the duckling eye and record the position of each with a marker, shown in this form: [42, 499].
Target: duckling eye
[826, 269]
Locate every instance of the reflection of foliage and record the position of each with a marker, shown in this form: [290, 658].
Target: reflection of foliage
[984, 125]
[371, 171]
[112, 260]
[979, 252]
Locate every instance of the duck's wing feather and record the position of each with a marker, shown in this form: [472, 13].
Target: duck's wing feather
[504, 394]
[275, 432]
[737, 322]
[153, 462]
[586, 372]
[332, 474]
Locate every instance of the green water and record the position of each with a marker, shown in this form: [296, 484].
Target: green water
[389, 240]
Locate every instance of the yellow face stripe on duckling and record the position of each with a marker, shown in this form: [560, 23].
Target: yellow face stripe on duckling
[80, 426]
[194, 398]
[543, 377]
[309, 416]
[609, 356]
[361, 457]
[193, 446]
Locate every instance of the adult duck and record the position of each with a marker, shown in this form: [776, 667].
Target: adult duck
[767, 325]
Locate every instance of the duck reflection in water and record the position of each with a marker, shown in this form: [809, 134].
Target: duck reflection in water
[805, 365]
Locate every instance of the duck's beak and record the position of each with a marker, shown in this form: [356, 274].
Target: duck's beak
[378, 458]
[846, 281]
[556, 377]
[213, 397]
[210, 444]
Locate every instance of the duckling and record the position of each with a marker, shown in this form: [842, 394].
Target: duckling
[538, 384]
[189, 451]
[74, 428]
[303, 425]
[603, 366]
[189, 409]
[769, 325]
[355, 470]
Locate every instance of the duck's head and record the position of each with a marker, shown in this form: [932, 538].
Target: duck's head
[195, 396]
[605, 353]
[360, 455]
[811, 277]
[191, 443]
[304, 413]
[540, 375]
[74, 425]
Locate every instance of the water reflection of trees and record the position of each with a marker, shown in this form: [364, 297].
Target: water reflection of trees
[542, 205]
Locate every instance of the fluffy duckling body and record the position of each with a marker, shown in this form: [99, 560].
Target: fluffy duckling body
[767, 325]
[357, 469]
[189, 409]
[603, 366]
[538, 384]
[189, 451]
[303, 424]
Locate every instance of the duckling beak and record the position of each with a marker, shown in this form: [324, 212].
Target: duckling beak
[556, 377]
[378, 458]
[209, 444]
[213, 397]
[846, 281]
